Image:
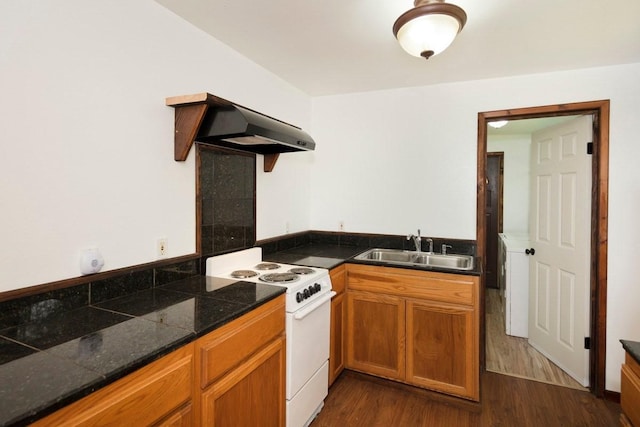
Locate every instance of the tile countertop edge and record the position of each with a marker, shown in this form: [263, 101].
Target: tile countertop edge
[49, 407]
[633, 348]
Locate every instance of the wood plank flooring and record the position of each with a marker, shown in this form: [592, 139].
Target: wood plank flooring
[357, 400]
[513, 355]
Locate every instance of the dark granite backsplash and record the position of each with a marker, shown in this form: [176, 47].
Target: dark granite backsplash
[32, 308]
[110, 288]
[227, 186]
[38, 307]
[362, 240]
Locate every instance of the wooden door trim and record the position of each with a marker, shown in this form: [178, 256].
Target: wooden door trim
[599, 219]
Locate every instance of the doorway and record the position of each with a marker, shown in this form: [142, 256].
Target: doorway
[599, 226]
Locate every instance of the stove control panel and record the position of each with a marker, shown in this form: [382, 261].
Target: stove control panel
[307, 292]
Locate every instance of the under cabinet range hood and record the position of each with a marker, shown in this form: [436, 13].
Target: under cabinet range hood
[247, 130]
[211, 120]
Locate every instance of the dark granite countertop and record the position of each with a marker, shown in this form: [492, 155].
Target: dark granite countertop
[60, 357]
[331, 256]
[316, 255]
[633, 348]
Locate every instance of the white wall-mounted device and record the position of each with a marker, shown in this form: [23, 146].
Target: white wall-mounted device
[91, 261]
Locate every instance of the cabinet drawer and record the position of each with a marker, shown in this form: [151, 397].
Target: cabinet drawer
[630, 394]
[139, 399]
[226, 347]
[444, 287]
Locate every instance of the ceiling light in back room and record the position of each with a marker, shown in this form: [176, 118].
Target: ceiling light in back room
[498, 123]
[429, 28]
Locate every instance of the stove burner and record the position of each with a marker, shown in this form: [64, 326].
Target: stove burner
[243, 274]
[302, 270]
[267, 266]
[279, 277]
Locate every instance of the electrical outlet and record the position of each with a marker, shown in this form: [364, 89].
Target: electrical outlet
[341, 225]
[162, 247]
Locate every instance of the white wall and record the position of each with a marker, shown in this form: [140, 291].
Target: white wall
[517, 152]
[86, 142]
[397, 160]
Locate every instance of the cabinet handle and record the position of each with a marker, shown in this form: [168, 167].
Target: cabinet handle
[530, 251]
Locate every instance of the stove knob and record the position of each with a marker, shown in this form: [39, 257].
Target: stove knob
[312, 290]
[306, 293]
[317, 287]
[299, 297]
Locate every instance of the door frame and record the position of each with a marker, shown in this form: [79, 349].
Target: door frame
[599, 220]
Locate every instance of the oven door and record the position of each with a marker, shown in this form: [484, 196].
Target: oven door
[307, 343]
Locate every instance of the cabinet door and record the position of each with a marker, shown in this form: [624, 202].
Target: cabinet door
[441, 348]
[375, 334]
[336, 347]
[252, 394]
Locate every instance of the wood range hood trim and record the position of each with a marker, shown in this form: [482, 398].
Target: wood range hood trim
[190, 111]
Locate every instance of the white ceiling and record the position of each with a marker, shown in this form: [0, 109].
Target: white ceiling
[340, 46]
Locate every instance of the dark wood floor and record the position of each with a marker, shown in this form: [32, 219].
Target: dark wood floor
[360, 400]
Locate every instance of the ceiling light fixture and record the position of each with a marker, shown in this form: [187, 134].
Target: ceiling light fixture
[429, 28]
[498, 123]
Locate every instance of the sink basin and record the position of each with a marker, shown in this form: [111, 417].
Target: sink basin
[426, 259]
[456, 262]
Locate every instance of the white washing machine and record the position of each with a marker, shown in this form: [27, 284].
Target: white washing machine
[514, 282]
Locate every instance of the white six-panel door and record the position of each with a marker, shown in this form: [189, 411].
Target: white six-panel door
[560, 227]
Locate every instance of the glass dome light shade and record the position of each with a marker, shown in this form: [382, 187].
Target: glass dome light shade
[429, 29]
[498, 124]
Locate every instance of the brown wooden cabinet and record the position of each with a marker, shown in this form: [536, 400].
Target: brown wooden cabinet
[233, 376]
[630, 392]
[336, 346]
[240, 369]
[158, 394]
[413, 326]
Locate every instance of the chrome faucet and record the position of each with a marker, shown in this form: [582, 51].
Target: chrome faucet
[444, 248]
[430, 242]
[417, 241]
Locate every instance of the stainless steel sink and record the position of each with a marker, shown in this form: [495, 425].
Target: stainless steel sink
[426, 259]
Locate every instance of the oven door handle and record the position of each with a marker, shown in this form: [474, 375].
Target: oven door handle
[301, 314]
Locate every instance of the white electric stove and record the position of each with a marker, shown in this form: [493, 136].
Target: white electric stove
[308, 306]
